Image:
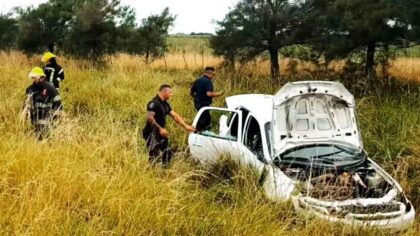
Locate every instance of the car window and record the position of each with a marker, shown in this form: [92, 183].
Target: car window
[219, 124]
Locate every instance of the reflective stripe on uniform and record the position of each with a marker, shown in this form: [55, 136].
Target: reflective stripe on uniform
[56, 98]
[43, 105]
[50, 79]
[61, 71]
[42, 122]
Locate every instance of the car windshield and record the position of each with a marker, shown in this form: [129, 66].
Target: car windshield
[325, 153]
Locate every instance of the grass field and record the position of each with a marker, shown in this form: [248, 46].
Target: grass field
[190, 44]
[92, 176]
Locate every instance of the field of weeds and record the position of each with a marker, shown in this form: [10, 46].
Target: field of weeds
[92, 176]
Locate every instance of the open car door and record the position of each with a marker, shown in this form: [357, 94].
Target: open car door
[254, 151]
[221, 136]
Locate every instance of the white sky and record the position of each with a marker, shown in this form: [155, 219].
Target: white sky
[192, 15]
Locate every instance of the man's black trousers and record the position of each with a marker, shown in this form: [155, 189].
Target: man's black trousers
[158, 147]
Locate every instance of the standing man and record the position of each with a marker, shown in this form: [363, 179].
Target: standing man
[202, 91]
[154, 133]
[53, 71]
[43, 104]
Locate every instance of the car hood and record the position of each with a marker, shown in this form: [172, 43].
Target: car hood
[313, 112]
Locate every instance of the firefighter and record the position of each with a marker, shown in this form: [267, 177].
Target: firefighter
[155, 133]
[54, 73]
[203, 93]
[43, 102]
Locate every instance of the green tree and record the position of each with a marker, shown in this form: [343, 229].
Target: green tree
[93, 31]
[8, 32]
[44, 27]
[342, 28]
[149, 39]
[225, 43]
[412, 13]
[257, 26]
[126, 27]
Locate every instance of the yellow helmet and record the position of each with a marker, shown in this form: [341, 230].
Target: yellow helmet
[36, 72]
[47, 56]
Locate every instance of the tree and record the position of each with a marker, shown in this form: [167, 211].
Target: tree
[44, 27]
[257, 26]
[412, 14]
[225, 43]
[149, 40]
[342, 28]
[31, 31]
[80, 28]
[126, 27]
[8, 32]
[93, 31]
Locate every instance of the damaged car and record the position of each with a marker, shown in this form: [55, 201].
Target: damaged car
[305, 144]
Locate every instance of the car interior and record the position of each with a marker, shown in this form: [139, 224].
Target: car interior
[253, 139]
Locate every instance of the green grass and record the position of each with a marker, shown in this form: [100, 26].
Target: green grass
[92, 176]
[191, 44]
[410, 52]
[393, 129]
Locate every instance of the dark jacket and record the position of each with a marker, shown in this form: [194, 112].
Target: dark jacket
[45, 101]
[199, 91]
[161, 109]
[54, 73]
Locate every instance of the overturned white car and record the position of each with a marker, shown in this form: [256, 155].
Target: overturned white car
[306, 146]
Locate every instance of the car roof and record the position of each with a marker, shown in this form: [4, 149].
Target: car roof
[260, 105]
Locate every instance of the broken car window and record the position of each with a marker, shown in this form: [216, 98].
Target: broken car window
[219, 124]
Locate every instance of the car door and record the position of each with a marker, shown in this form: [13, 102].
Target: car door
[222, 137]
[253, 148]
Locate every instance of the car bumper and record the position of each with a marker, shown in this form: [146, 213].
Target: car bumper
[392, 221]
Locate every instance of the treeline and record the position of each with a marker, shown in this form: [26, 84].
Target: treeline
[87, 29]
[366, 32]
[363, 32]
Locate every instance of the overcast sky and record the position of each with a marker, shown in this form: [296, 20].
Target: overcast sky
[192, 15]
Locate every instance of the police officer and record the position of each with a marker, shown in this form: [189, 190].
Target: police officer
[43, 102]
[53, 71]
[154, 133]
[203, 92]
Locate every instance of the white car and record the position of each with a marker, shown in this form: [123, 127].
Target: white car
[306, 146]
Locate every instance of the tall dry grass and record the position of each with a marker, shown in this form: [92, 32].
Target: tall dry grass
[404, 68]
[408, 68]
[92, 175]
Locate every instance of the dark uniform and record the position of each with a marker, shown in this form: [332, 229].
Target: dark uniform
[199, 90]
[158, 146]
[54, 74]
[45, 102]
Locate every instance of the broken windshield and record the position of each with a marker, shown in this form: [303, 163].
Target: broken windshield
[324, 153]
